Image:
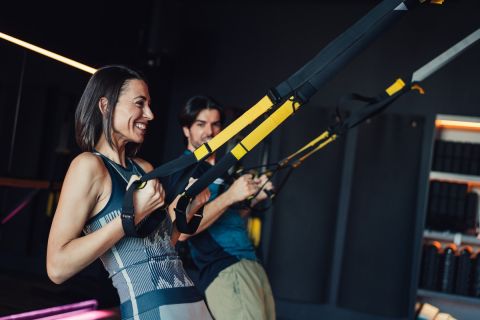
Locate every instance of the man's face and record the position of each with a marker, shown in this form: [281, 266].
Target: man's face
[206, 126]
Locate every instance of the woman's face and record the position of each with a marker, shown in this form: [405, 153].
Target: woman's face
[132, 113]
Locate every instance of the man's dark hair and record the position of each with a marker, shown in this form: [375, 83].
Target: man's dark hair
[194, 106]
[108, 82]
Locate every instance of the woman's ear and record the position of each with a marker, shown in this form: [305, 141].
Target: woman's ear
[103, 105]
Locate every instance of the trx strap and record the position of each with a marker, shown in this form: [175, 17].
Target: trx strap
[297, 90]
[289, 95]
[372, 106]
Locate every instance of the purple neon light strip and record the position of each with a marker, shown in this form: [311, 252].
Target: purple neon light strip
[65, 315]
[36, 314]
[19, 208]
[84, 315]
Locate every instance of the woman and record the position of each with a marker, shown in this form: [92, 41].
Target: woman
[111, 121]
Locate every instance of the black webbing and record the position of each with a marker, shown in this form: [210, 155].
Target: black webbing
[302, 84]
[183, 226]
[378, 104]
[153, 220]
[370, 107]
[306, 81]
[213, 173]
[170, 167]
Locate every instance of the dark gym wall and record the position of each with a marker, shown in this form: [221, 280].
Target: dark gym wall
[235, 51]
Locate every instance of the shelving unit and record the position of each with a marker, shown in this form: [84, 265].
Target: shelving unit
[462, 130]
[449, 237]
[461, 307]
[455, 177]
[450, 297]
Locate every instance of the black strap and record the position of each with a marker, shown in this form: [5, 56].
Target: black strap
[369, 107]
[181, 216]
[305, 82]
[148, 224]
[153, 220]
[335, 55]
[302, 84]
[183, 226]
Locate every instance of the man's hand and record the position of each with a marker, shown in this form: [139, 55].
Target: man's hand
[265, 185]
[242, 188]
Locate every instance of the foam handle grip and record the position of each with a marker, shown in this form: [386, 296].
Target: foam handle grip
[447, 274]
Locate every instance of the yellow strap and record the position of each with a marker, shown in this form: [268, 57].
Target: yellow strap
[395, 87]
[235, 127]
[265, 128]
[255, 230]
[332, 138]
[50, 199]
[324, 135]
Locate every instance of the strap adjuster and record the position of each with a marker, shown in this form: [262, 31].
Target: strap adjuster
[274, 96]
[128, 224]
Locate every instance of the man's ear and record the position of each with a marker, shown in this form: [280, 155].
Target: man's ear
[186, 132]
[103, 105]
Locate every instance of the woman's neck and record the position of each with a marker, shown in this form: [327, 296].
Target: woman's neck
[116, 154]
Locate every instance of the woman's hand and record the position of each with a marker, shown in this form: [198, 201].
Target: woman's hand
[147, 199]
[199, 201]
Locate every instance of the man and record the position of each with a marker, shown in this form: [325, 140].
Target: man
[234, 283]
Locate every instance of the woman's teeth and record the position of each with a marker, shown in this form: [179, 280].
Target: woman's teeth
[142, 126]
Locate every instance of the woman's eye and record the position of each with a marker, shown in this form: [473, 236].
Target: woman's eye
[140, 103]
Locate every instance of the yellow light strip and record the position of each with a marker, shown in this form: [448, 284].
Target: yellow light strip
[455, 124]
[47, 53]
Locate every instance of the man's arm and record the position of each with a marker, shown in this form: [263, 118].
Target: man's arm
[240, 190]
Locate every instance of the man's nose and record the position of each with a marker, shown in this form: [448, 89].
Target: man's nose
[208, 129]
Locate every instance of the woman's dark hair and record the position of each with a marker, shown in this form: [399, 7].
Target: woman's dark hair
[108, 82]
[194, 106]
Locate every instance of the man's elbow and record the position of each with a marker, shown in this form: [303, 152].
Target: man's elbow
[184, 237]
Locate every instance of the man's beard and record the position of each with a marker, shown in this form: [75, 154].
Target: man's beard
[198, 144]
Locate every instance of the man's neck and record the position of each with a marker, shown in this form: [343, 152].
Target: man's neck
[210, 159]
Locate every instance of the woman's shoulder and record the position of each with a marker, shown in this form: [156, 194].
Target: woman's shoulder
[88, 163]
[86, 174]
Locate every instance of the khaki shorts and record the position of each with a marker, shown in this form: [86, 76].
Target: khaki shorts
[241, 291]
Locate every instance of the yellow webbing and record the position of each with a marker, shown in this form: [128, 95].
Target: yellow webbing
[330, 139]
[254, 226]
[311, 143]
[50, 200]
[235, 127]
[395, 87]
[265, 128]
